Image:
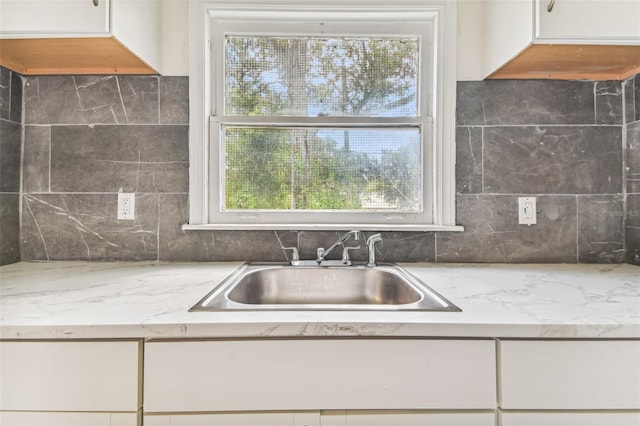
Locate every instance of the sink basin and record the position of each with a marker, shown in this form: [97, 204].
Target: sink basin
[285, 287]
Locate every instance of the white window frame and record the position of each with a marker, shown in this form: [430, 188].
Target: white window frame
[438, 131]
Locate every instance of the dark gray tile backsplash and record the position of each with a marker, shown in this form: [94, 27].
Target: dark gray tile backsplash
[553, 159]
[10, 156]
[88, 137]
[632, 166]
[130, 158]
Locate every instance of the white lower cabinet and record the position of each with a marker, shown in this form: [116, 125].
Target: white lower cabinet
[408, 418]
[331, 418]
[319, 374]
[570, 375]
[25, 418]
[68, 383]
[235, 419]
[570, 419]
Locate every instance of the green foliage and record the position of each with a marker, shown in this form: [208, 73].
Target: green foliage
[271, 168]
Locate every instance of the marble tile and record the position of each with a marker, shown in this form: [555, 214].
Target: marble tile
[525, 102]
[5, 93]
[601, 229]
[16, 98]
[9, 228]
[492, 232]
[56, 100]
[113, 158]
[174, 100]
[609, 100]
[629, 100]
[10, 147]
[553, 159]
[633, 158]
[250, 246]
[469, 160]
[87, 99]
[84, 227]
[175, 244]
[35, 167]
[406, 247]
[140, 98]
[633, 228]
[636, 96]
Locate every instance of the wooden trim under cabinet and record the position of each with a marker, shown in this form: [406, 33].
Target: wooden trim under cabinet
[95, 55]
[572, 62]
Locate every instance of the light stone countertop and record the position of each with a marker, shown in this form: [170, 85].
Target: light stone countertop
[150, 300]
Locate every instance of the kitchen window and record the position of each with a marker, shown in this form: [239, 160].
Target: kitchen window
[335, 115]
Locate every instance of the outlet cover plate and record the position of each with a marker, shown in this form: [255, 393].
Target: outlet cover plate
[126, 206]
[527, 210]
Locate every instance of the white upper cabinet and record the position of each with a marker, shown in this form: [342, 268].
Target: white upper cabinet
[81, 36]
[51, 17]
[551, 39]
[593, 21]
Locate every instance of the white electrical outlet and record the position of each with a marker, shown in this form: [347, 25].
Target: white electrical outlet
[126, 206]
[527, 210]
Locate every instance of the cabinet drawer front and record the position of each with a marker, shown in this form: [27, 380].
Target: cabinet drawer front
[69, 376]
[25, 418]
[570, 419]
[318, 374]
[570, 374]
[400, 418]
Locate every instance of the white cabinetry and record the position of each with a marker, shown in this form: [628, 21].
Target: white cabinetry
[596, 39]
[591, 21]
[586, 379]
[408, 418]
[90, 383]
[570, 419]
[50, 17]
[207, 376]
[557, 375]
[356, 418]
[80, 36]
[237, 419]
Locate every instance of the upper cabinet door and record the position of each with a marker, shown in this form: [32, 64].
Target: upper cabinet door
[53, 17]
[589, 20]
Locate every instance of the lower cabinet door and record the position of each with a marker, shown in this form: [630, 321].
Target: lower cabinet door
[235, 419]
[331, 418]
[25, 418]
[570, 375]
[570, 419]
[407, 418]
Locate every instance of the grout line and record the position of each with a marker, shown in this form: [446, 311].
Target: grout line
[158, 86]
[49, 165]
[482, 158]
[158, 227]
[577, 229]
[595, 102]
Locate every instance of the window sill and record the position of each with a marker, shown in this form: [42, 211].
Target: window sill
[320, 227]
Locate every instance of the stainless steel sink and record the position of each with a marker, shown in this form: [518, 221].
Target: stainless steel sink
[284, 287]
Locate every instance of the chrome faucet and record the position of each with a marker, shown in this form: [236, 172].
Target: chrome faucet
[371, 244]
[322, 253]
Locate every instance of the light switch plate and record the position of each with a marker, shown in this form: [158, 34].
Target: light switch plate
[527, 210]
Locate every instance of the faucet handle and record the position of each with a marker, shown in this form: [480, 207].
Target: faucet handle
[294, 252]
[345, 253]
